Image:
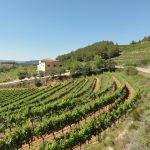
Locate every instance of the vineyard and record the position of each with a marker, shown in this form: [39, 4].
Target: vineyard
[134, 54]
[64, 116]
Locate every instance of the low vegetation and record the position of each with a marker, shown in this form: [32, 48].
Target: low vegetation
[77, 109]
[133, 131]
[93, 58]
[134, 55]
[109, 109]
[130, 71]
[12, 73]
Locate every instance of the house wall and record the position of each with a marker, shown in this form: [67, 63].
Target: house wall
[41, 66]
[49, 67]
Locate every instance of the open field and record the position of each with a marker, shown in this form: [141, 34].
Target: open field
[13, 73]
[66, 115]
[136, 54]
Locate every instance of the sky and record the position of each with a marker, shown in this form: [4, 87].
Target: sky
[37, 29]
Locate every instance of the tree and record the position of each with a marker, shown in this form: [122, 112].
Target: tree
[22, 75]
[3, 145]
[98, 62]
[105, 49]
[133, 42]
[41, 74]
[38, 83]
[146, 39]
[60, 70]
[86, 68]
[75, 67]
[110, 65]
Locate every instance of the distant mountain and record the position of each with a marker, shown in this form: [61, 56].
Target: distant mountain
[7, 61]
[31, 62]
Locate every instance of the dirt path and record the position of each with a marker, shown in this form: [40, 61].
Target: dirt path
[19, 81]
[120, 136]
[117, 82]
[145, 70]
[97, 85]
[130, 89]
[29, 79]
[142, 69]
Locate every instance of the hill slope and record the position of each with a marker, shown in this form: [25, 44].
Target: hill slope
[134, 54]
[137, 54]
[106, 49]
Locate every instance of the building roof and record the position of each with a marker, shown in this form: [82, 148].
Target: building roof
[49, 60]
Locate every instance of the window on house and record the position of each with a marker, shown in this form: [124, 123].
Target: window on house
[54, 65]
[60, 65]
[48, 65]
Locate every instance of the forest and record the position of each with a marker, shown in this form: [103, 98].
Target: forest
[105, 49]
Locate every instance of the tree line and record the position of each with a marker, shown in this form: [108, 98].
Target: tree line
[145, 39]
[91, 59]
[105, 49]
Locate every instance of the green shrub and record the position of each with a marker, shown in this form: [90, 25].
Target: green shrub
[108, 141]
[133, 127]
[38, 83]
[131, 71]
[22, 75]
[144, 62]
[41, 74]
[136, 115]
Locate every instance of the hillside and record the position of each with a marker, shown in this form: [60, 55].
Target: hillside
[106, 49]
[137, 54]
[134, 54]
[133, 131]
[103, 111]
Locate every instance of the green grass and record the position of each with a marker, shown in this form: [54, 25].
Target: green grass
[12, 74]
[134, 54]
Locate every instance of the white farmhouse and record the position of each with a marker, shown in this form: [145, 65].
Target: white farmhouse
[48, 66]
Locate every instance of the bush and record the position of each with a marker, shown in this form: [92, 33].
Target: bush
[131, 71]
[136, 115]
[22, 75]
[38, 83]
[108, 141]
[144, 62]
[133, 42]
[133, 127]
[41, 74]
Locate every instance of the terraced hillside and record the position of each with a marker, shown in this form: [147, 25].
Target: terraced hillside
[135, 54]
[66, 115]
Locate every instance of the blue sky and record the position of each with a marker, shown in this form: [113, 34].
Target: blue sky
[36, 29]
